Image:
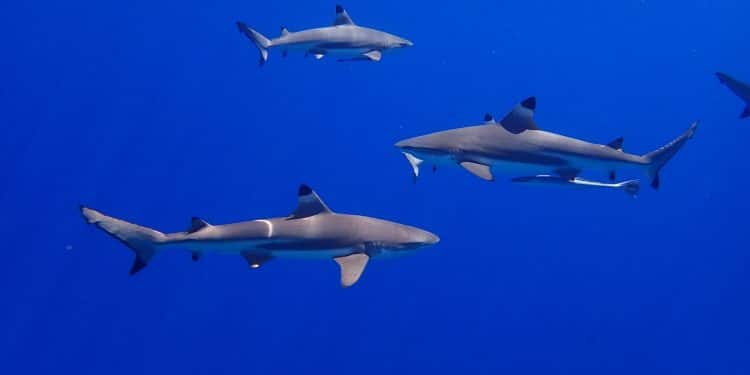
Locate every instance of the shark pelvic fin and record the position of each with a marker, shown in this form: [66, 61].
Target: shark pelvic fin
[521, 118]
[308, 204]
[480, 170]
[342, 17]
[352, 267]
[616, 144]
[197, 224]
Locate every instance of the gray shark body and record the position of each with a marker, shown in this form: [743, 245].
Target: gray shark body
[517, 146]
[740, 89]
[312, 231]
[346, 40]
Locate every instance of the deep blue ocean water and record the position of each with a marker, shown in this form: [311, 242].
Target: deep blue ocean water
[157, 111]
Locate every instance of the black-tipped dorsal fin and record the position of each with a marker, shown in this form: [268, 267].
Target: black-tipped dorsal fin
[616, 144]
[308, 204]
[197, 224]
[521, 118]
[488, 119]
[342, 17]
[284, 31]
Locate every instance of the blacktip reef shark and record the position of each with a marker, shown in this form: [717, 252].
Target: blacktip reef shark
[517, 145]
[311, 231]
[740, 89]
[344, 39]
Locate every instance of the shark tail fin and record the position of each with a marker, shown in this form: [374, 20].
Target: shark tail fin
[140, 239]
[258, 39]
[659, 157]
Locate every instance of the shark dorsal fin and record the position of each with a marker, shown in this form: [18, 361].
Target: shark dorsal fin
[521, 118]
[616, 144]
[197, 224]
[309, 204]
[488, 119]
[342, 17]
[284, 31]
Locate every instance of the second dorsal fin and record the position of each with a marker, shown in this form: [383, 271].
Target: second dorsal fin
[309, 204]
[616, 144]
[197, 224]
[521, 118]
[342, 17]
[488, 119]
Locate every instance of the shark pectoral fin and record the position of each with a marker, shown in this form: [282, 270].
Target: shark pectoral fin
[746, 112]
[521, 118]
[255, 260]
[342, 17]
[373, 55]
[415, 162]
[308, 204]
[480, 170]
[352, 267]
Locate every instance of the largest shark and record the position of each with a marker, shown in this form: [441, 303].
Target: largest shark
[740, 89]
[344, 39]
[311, 231]
[517, 145]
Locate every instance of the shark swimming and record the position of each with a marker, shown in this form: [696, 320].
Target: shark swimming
[311, 231]
[740, 89]
[344, 39]
[516, 145]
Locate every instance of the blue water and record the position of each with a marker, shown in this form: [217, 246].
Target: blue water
[157, 111]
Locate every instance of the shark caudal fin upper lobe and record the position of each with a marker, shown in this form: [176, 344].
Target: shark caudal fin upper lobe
[140, 239]
[659, 157]
[260, 41]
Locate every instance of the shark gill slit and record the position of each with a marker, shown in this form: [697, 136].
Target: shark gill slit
[270, 227]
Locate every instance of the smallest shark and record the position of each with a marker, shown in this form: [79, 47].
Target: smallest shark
[740, 89]
[347, 41]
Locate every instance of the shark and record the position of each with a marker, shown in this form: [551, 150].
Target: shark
[518, 146]
[740, 89]
[345, 39]
[312, 231]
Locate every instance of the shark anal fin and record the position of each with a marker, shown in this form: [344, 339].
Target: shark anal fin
[480, 170]
[352, 267]
[255, 260]
[342, 17]
[308, 204]
[521, 118]
[746, 112]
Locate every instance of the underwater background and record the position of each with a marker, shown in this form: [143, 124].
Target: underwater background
[157, 111]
